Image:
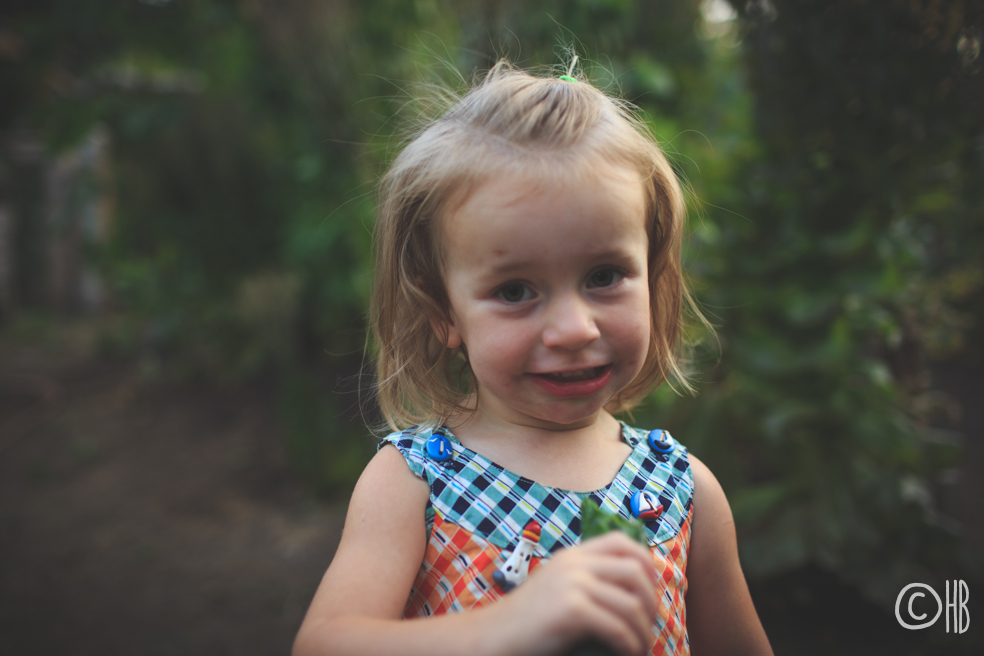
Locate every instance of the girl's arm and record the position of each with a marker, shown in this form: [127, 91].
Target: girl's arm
[604, 588]
[721, 619]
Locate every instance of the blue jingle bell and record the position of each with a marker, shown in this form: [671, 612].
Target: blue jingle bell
[438, 448]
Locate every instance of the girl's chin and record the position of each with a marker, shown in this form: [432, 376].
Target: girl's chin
[568, 416]
[549, 416]
[531, 402]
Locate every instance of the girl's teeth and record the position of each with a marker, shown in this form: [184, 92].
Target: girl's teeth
[582, 374]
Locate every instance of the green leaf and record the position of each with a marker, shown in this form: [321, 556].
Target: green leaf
[595, 521]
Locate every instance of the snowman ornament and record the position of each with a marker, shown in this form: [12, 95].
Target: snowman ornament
[517, 567]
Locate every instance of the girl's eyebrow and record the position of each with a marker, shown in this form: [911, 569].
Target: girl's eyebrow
[510, 265]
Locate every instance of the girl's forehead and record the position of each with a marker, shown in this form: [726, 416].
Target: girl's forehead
[546, 211]
[506, 184]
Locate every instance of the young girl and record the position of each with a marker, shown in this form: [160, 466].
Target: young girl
[528, 286]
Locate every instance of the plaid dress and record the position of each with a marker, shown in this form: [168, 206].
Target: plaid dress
[477, 511]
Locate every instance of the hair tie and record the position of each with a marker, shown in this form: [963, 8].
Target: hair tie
[570, 71]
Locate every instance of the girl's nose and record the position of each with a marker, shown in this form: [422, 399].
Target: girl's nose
[570, 324]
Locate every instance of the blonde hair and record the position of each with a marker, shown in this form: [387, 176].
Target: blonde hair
[510, 118]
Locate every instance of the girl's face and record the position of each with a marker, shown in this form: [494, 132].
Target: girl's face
[549, 292]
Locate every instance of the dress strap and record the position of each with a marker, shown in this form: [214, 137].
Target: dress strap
[657, 476]
[486, 499]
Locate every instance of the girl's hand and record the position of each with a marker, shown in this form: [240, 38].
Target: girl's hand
[604, 589]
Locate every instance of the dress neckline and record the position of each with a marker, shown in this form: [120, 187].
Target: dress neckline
[625, 433]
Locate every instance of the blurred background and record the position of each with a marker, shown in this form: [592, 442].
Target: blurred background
[186, 203]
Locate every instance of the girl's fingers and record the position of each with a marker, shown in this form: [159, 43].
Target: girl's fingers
[629, 576]
[613, 616]
[616, 543]
[629, 609]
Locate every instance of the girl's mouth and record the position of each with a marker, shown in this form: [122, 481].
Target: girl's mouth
[581, 382]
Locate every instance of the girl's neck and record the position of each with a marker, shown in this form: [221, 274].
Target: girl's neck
[582, 458]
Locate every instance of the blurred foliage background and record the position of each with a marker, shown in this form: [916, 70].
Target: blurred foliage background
[200, 175]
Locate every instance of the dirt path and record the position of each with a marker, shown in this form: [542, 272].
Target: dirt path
[142, 519]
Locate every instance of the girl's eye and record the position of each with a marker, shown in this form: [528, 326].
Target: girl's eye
[514, 292]
[604, 278]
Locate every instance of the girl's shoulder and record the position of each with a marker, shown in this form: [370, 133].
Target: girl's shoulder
[426, 451]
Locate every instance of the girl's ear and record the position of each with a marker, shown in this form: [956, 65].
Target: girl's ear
[446, 332]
